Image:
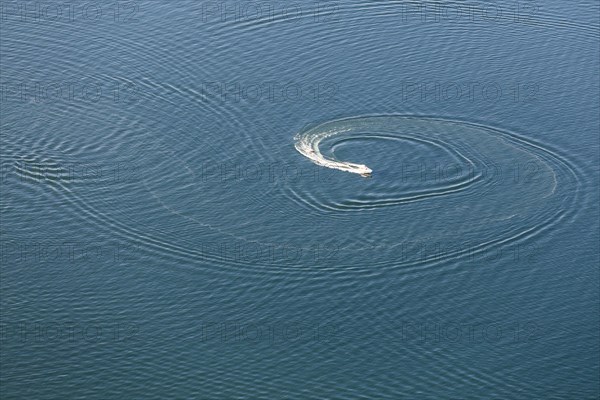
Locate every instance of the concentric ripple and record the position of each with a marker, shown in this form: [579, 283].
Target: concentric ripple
[458, 187]
[441, 190]
[427, 157]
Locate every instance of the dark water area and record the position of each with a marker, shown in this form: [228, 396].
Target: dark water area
[176, 220]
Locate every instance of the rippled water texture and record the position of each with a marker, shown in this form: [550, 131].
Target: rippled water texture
[357, 200]
[475, 167]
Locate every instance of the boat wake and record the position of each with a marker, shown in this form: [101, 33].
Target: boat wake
[308, 145]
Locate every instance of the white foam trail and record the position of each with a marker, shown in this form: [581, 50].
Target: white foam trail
[308, 145]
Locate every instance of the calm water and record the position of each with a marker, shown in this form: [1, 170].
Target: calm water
[162, 237]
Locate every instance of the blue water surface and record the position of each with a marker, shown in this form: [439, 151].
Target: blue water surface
[161, 236]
